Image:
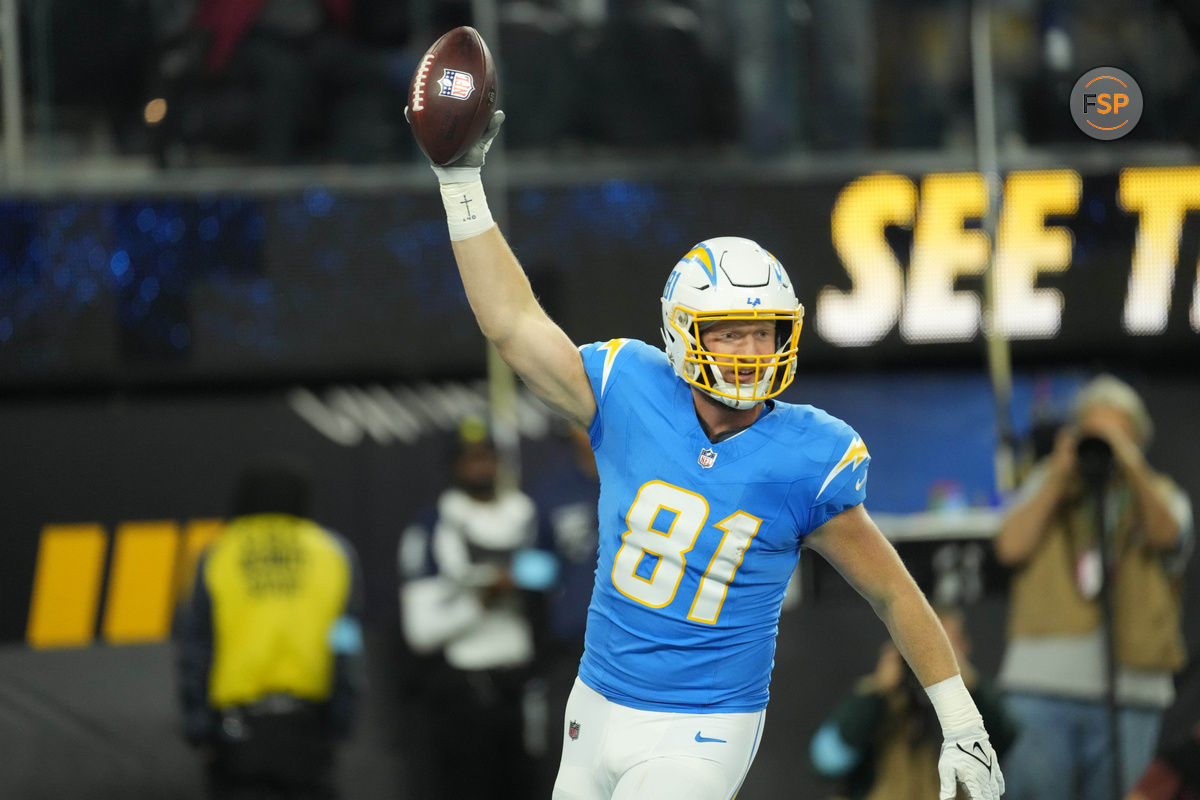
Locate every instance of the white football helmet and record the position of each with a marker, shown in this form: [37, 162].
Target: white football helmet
[730, 279]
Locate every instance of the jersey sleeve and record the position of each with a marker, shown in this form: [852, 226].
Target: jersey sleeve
[843, 481]
[600, 361]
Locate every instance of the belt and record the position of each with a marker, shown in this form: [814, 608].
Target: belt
[237, 720]
[269, 705]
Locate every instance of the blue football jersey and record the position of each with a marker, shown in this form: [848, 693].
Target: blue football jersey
[698, 541]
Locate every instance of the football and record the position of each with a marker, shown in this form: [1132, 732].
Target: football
[453, 95]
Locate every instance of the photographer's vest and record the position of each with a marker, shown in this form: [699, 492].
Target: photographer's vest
[1046, 599]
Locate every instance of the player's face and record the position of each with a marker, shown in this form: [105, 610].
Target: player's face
[739, 338]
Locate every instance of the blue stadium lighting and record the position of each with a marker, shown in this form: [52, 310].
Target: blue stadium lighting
[119, 263]
[35, 253]
[97, 257]
[256, 227]
[402, 244]
[433, 233]
[617, 192]
[149, 289]
[181, 336]
[168, 261]
[208, 229]
[147, 219]
[172, 230]
[532, 202]
[318, 201]
[263, 292]
[85, 290]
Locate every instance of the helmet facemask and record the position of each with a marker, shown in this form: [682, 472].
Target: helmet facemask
[768, 374]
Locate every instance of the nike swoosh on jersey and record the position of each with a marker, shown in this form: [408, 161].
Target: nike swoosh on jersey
[859, 483]
[700, 738]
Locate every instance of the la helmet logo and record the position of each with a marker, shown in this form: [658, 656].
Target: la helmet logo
[1106, 103]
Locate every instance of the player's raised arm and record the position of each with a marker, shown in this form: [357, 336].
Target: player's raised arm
[497, 288]
[502, 300]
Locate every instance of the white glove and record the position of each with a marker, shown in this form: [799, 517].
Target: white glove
[968, 758]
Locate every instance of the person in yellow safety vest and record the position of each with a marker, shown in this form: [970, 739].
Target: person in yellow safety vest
[271, 646]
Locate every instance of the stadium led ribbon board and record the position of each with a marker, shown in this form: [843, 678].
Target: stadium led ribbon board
[1063, 257]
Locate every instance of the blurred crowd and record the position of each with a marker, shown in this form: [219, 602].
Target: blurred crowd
[324, 81]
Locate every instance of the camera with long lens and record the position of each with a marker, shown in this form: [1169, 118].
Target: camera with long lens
[1094, 457]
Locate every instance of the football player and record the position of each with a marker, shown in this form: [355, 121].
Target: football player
[709, 487]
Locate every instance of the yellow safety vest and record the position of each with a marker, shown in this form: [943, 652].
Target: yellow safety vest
[277, 585]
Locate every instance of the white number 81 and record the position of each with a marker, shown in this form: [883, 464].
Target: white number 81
[671, 547]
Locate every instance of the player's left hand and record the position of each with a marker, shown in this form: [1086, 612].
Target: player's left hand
[968, 758]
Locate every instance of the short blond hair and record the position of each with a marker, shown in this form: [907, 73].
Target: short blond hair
[1112, 392]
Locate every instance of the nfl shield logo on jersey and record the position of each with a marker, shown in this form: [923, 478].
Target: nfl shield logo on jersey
[573, 730]
[707, 457]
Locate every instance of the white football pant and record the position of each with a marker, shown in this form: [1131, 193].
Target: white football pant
[613, 752]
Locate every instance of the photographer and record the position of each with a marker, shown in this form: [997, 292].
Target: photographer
[881, 741]
[1073, 603]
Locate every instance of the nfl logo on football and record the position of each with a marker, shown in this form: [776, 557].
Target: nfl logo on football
[456, 83]
[707, 457]
[573, 730]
